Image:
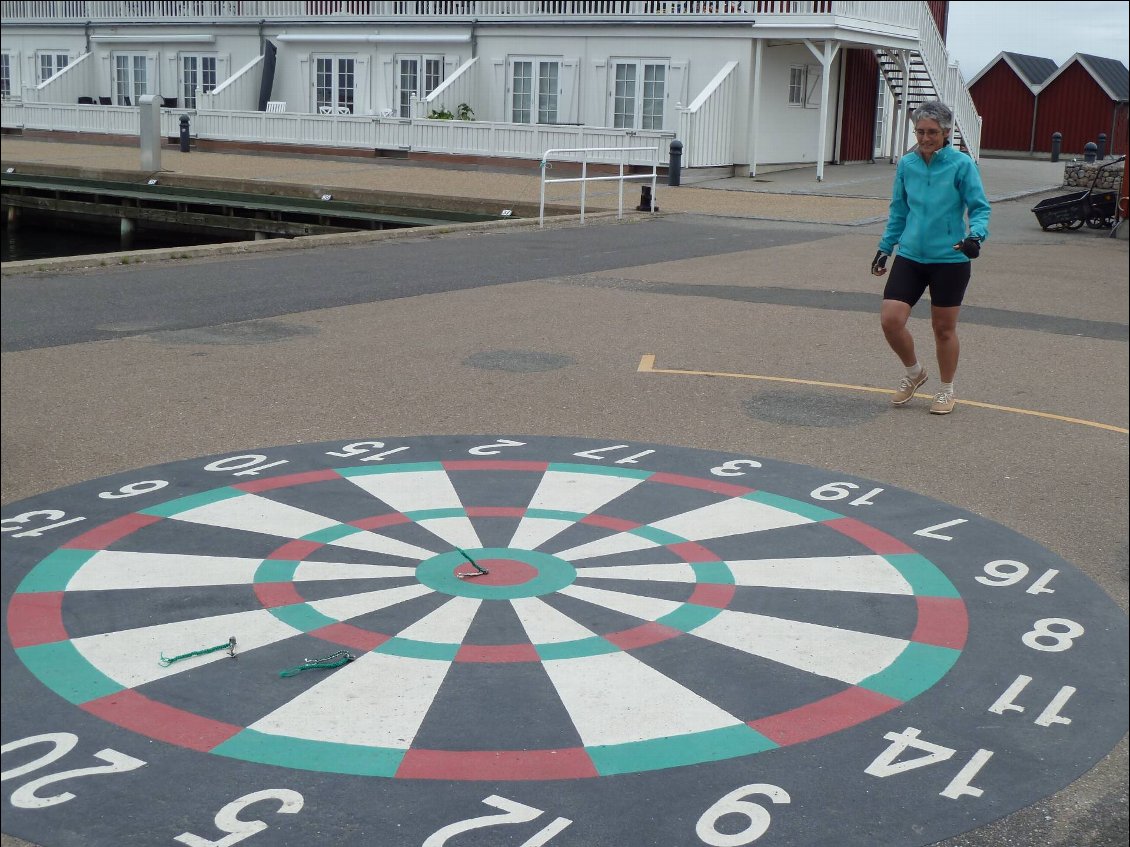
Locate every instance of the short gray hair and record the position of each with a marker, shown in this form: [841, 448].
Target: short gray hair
[934, 110]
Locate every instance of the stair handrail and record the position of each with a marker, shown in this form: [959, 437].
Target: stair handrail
[950, 84]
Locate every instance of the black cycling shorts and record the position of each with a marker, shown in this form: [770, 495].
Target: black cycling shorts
[908, 281]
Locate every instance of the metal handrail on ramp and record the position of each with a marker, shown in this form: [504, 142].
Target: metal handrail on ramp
[570, 154]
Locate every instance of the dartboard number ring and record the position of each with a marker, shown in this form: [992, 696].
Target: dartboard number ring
[527, 640]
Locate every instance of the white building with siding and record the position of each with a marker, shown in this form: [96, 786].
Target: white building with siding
[740, 84]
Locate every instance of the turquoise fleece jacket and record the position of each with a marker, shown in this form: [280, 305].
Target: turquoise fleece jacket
[928, 207]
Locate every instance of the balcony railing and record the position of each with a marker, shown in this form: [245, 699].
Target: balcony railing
[738, 11]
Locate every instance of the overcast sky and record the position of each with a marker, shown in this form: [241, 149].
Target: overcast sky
[978, 31]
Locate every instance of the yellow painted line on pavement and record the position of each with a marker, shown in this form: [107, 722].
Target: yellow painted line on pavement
[647, 365]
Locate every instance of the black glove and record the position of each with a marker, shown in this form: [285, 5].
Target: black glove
[971, 247]
[879, 263]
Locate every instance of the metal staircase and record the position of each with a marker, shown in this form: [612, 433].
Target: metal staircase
[916, 84]
[927, 75]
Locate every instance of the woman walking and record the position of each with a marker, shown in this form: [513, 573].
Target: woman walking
[936, 190]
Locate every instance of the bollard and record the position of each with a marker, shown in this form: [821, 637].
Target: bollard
[1057, 140]
[645, 200]
[1090, 149]
[1102, 146]
[184, 139]
[674, 170]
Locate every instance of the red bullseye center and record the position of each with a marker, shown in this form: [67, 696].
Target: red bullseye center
[499, 571]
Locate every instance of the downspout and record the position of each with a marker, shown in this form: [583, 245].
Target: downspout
[262, 38]
[1110, 135]
[474, 38]
[86, 27]
[1035, 112]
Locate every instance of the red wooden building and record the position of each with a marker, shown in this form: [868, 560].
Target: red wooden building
[1086, 96]
[1006, 95]
[1022, 103]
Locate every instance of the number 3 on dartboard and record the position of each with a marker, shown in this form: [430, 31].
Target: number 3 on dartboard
[513, 812]
[62, 743]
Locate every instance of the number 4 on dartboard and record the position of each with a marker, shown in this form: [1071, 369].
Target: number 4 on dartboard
[887, 764]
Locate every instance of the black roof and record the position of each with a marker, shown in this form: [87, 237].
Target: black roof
[1034, 69]
[1111, 73]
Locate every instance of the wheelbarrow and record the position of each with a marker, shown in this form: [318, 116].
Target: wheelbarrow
[1096, 209]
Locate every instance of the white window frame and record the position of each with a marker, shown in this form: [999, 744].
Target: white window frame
[417, 83]
[342, 85]
[543, 101]
[803, 90]
[630, 110]
[199, 78]
[136, 84]
[50, 62]
[880, 117]
[7, 78]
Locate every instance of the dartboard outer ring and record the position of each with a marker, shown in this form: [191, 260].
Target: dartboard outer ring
[442, 622]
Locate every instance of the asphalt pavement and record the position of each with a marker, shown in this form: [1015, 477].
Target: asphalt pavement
[741, 318]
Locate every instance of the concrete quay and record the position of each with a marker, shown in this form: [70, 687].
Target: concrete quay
[741, 319]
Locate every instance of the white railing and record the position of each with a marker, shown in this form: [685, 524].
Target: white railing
[565, 11]
[706, 125]
[453, 92]
[103, 120]
[479, 138]
[624, 157]
[66, 86]
[238, 91]
[947, 80]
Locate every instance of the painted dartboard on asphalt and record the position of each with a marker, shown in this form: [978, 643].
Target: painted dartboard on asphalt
[534, 641]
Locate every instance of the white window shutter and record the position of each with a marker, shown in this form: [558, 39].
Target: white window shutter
[676, 88]
[174, 70]
[362, 105]
[568, 95]
[389, 87]
[152, 73]
[812, 87]
[108, 72]
[502, 84]
[306, 74]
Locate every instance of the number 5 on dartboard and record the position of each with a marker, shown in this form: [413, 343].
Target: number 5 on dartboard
[237, 829]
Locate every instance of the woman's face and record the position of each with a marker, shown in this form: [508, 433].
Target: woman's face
[931, 137]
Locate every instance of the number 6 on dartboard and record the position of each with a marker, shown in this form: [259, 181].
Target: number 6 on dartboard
[735, 803]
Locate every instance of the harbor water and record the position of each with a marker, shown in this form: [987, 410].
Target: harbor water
[34, 241]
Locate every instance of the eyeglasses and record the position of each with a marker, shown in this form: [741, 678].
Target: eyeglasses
[929, 132]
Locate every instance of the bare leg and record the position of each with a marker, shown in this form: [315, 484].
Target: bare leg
[944, 320]
[893, 316]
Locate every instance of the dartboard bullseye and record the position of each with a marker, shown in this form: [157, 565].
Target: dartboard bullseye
[376, 638]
